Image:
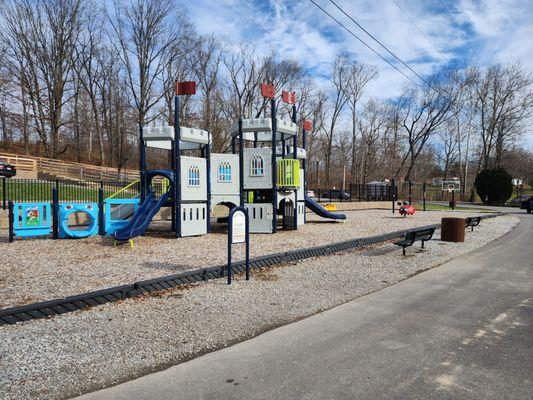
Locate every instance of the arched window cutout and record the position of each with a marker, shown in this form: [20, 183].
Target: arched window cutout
[224, 172]
[257, 165]
[193, 176]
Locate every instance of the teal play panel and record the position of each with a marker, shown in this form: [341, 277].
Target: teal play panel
[118, 213]
[32, 219]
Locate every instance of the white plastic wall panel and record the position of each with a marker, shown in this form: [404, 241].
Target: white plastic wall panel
[301, 188]
[194, 135]
[218, 199]
[301, 213]
[158, 133]
[167, 145]
[166, 132]
[286, 126]
[260, 217]
[300, 153]
[264, 128]
[289, 196]
[193, 219]
[193, 178]
[254, 181]
[220, 185]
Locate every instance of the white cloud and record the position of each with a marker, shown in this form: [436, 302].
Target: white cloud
[491, 30]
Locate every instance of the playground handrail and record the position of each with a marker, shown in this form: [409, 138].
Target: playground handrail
[128, 186]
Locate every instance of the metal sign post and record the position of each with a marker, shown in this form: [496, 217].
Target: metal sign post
[238, 232]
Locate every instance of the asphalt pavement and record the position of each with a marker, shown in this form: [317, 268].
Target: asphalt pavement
[463, 330]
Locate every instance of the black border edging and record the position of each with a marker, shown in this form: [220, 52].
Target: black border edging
[50, 308]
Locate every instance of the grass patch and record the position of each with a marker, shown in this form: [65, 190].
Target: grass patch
[439, 207]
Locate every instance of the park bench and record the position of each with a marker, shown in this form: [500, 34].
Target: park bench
[423, 235]
[471, 222]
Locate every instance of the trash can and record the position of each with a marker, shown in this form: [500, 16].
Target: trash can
[452, 230]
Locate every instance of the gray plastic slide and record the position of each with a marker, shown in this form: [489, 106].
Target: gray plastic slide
[321, 211]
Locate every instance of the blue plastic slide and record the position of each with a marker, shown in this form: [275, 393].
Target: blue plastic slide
[321, 211]
[142, 217]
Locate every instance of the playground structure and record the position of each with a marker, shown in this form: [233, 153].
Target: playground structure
[268, 181]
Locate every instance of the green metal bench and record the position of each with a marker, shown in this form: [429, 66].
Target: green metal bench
[423, 235]
[471, 222]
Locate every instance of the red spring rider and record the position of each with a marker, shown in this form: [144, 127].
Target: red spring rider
[406, 209]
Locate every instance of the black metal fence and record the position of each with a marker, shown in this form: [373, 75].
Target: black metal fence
[40, 190]
[356, 192]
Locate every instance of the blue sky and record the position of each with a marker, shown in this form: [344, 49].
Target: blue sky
[426, 34]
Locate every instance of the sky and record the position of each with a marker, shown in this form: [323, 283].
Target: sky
[426, 34]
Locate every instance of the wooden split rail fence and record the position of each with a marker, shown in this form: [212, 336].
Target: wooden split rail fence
[29, 165]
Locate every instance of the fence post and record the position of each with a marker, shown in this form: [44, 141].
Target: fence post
[101, 222]
[4, 200]
[11, 219]
[424, 196]
[393, 195]
[55, 213]
[410, 193]
[57, 190]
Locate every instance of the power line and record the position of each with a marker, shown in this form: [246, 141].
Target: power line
[381, 44]
[416, 26]
[364, 43]
[430, 86]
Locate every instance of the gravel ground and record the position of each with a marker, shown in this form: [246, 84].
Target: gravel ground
[39, 269]
[102, 346]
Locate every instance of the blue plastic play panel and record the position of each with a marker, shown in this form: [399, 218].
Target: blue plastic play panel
[118, 213]
[32, 219]
[89, 226]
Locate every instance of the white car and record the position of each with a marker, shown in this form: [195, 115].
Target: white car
[310, 193]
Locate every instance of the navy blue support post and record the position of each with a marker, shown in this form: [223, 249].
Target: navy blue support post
[142, 163]
[208, 168]
[241, 164]
[177, 167]
[410, 192]
[274, 167]
[295, 156]
[304, 162]
[234, 240]
[55, 213]
[101, 205]
[4, 193]
[11, 221]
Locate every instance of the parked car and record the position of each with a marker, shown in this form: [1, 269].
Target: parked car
[529, 205]
[526, 202]
[335, 194]
[520, 201]
[7, 170]
[310, 193]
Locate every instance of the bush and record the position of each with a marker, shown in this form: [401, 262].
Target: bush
[496, 185]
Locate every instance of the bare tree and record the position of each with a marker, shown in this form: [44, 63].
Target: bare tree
[504, 100]
[44, 34]
[424, 113]
[358, 77]
[143, 32]
[339, 78]
[371, 127]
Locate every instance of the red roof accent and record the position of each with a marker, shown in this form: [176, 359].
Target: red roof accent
[288, 97]
[185, 88]
[268, 91]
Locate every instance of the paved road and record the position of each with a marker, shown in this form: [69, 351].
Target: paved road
[461, 331]
[464, 204]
